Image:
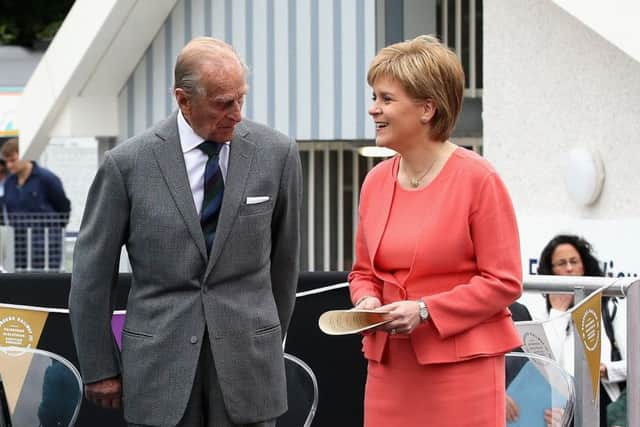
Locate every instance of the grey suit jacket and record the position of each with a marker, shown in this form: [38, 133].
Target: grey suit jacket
[243, 293]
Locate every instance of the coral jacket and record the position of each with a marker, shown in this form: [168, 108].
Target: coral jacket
[466, 265]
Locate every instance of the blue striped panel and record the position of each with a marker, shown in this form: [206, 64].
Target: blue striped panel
[293, 119]
[187, 21]
[248, 17]
[337, 70]
[208, 16]
[130, 107]
[149, 84]
[271, 54]
[360, 70]
[313, 53]
[168, 64]
[228, 21]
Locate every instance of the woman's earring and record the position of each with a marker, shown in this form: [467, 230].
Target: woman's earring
[424, 120]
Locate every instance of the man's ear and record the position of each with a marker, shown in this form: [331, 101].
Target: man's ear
[429, 110]
[184, 102]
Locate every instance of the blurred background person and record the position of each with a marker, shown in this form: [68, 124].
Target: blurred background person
[617, 412]
[35, 200]
[3, 177]
[437, 247]
[570, 255]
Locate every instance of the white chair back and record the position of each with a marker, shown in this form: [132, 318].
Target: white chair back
[302, 394]
[536, 384]
[42, 388]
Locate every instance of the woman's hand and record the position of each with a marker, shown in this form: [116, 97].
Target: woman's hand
[405, 316]
[603, 371]
[368, 303]
[512, 410]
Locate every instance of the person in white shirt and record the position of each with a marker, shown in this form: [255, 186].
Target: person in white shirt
[569, 255]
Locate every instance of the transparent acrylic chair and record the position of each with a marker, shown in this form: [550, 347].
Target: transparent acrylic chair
[536, 384]
[302, 394]
[42, 388]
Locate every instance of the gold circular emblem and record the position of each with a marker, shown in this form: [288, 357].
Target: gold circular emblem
[15, 332]
[590, 329]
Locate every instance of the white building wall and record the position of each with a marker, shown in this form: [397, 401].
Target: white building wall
[551, 84]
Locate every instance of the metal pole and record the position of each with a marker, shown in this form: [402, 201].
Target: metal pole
[62, 255]
[566, 284]
[29, 236]
[46, 248]
[633, 354]
[587, 413]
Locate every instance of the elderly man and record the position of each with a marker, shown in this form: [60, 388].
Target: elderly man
[208, 206]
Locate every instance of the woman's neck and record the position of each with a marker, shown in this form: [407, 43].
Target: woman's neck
[419, 158]
[420, 166]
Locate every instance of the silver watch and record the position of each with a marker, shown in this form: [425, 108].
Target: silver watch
[422, 310]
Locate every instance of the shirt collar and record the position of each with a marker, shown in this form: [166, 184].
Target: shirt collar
[35, 170]
[188, 138]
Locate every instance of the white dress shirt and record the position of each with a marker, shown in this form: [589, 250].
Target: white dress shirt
[196, 160]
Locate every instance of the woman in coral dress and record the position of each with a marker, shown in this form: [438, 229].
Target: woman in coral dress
[437, 248]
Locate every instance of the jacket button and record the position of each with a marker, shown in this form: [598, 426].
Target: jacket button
[193, 339]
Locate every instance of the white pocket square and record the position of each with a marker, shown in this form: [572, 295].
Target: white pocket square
[257, 199]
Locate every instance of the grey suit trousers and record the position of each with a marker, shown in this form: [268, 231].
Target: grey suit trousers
[206, 406]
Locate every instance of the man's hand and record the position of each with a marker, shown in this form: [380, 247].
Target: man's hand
[105, 393]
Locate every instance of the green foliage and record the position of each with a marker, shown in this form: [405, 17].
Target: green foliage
[28, 22]
[48, 31]
[7, 32]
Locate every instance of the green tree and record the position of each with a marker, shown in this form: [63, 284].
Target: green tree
[29, 22]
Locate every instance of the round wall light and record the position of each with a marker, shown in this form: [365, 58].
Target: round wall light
[375, 151]
[584, 175]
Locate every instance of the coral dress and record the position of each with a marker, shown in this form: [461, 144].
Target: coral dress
[455, 244]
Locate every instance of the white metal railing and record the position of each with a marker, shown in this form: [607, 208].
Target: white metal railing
[36, 241]
[586, 413]
[331, 169]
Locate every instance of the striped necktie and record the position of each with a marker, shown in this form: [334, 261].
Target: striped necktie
[213, 192]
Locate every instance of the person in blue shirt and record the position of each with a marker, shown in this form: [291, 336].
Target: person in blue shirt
[3, 176]
[35, 200]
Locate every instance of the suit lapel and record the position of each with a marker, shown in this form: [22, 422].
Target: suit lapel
[379, 216]
[241, 153]
[171, 162]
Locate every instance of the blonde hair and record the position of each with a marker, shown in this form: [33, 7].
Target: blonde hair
[428, 70]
